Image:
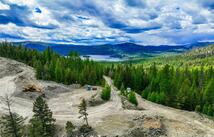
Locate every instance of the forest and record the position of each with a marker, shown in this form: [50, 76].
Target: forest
[184, 87]
[179, 87]
[51, 66]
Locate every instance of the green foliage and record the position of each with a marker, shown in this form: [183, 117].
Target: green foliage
[69, 129]
[180, 87]
[185, 81]
[50, 66]
[83, 111]
[11, 124]
[132, 98]
[122, 90]
[198, 108]
[106, 92]
[42, 123]
[195, 58]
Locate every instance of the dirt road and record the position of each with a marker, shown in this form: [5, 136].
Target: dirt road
[108, 119]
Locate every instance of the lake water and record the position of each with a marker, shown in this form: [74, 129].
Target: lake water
[103, 58]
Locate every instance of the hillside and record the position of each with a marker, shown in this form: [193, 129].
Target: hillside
[196, 57]
[109, 119]
[118, 51]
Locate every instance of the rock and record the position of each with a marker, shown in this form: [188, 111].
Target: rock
[147, 127]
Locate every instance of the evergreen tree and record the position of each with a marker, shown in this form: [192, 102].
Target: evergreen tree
[11, 124]
[209, 92]
[42, 123]
[183, 95]
[83, 111]
[210, 111]
[69, 129]
[198, 108]
[205, 109]
[122, 90]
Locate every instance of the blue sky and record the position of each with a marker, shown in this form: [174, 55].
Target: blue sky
[146, 22]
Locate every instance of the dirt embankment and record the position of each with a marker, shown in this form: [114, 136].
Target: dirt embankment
[107, 118]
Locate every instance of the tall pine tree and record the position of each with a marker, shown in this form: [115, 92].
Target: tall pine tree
[42, 123]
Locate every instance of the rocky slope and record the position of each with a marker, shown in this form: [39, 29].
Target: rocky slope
[109, 118]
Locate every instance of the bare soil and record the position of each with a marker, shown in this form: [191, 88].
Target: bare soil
[107, 118]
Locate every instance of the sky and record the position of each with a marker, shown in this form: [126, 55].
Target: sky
[94, 22]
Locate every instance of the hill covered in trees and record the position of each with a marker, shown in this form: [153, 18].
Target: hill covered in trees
[196, 57]
[122, 51]
[51, 66]
[185, 81]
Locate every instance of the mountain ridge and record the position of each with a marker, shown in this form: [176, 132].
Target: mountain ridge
[122, 50]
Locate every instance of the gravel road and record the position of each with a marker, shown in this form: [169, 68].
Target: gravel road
[108, 119]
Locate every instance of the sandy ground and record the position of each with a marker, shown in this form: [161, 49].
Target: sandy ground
[108, 119]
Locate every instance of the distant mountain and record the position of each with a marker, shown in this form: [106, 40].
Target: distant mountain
[113, 50]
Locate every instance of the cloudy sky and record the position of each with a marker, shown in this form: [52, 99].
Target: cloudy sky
[147, 22]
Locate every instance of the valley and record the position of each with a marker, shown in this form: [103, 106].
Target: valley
[115, 52]
[108, 119]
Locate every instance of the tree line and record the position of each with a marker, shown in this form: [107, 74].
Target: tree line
[51, 66]
[184, 88]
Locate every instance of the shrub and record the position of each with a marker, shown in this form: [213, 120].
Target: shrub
[106, 93]
[132, 98]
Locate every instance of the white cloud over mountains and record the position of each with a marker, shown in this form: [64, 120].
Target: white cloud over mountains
[148, 22]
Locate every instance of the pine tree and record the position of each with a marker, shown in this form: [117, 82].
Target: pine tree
[122, 90]
[205, 108]
[11, 124]
[198, 108]
[42, 123]
[83, 111]
[58, 71]
[183, 95]
[210, 111]
[209, 92]
[69, 128]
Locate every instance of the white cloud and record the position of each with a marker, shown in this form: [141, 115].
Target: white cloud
[4, 6]
[149, 22]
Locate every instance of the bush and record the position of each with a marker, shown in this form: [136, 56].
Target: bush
[132, 98]
[69, 128]
[106, 93]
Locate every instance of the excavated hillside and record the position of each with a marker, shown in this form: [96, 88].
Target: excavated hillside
[113, 118]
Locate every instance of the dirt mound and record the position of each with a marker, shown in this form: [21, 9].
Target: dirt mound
[147, 127]
[32, 88]
[95, 100]
[127, 105]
